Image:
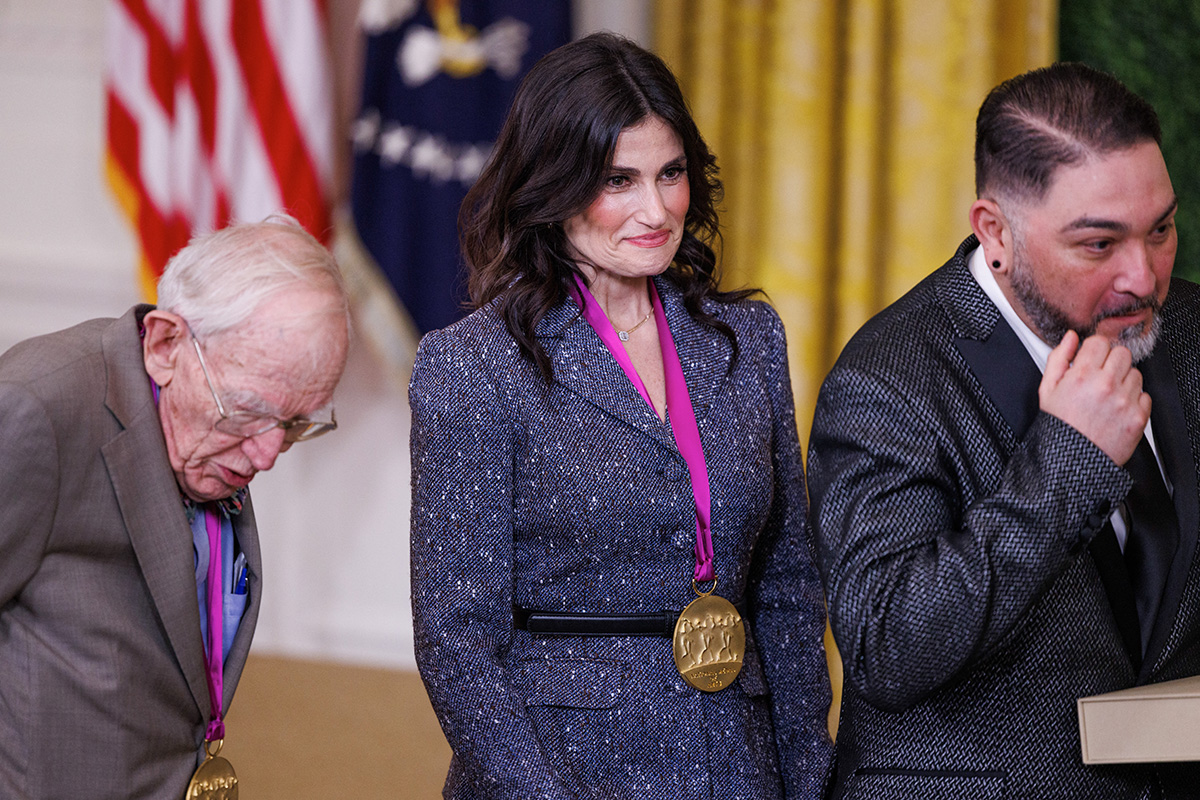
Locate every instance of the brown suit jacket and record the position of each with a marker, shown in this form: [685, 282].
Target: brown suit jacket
[102, 679]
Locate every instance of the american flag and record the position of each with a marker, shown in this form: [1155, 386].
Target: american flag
[218, 110]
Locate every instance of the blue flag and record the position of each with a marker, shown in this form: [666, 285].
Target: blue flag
[438, 80]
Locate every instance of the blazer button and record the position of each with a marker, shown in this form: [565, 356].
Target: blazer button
[1095, 521]
[673, 471]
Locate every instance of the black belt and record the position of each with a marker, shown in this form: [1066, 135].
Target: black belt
[565, 623]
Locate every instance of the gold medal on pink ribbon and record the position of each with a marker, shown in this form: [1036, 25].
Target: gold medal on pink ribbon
[709, 642]
[214, 779]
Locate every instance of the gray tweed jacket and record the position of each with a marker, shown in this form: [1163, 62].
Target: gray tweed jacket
[574, 497]
[103, 692]
[954, 524]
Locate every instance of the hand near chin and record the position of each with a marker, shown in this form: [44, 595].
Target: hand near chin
[1094, 388]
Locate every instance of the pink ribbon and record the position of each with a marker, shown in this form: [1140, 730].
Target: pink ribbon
[216, 635]
[680, 413]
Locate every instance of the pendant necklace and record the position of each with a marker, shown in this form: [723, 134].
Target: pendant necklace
[624, 335]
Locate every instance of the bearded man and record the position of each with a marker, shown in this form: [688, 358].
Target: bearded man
[1003, 468]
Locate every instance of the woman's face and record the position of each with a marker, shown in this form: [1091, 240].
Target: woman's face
[634, 226]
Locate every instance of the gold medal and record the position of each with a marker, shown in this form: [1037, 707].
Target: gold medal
[215, 778]
[709, 642]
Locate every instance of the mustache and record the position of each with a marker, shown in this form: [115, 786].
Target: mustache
[1137, 304]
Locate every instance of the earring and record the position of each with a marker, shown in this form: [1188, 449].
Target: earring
[996, 264]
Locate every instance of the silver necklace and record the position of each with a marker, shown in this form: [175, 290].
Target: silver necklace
[624, 335]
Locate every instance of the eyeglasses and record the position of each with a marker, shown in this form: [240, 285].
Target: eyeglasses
[246, 424]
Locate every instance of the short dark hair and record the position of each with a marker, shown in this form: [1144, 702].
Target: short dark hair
[551, 161]
[1058, 115]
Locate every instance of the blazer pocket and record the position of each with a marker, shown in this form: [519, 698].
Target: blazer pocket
[905, 784]
[574, 706]
[571, 682]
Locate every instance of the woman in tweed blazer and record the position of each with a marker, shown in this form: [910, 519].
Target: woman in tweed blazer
[544, 482]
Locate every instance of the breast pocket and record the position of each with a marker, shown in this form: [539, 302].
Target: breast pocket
[905, 784]
[234, 608]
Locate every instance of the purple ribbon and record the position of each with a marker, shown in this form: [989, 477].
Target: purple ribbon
[679, 404]
[216, 635]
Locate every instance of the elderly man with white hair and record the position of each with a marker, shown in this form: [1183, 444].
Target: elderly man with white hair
[130, 571]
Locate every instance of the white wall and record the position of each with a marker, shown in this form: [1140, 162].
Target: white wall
[334, 512]
[65, 254]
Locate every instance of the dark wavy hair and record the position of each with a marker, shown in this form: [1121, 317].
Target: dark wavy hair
[551, 161]
[1055, 116]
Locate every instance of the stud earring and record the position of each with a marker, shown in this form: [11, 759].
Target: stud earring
[996, 264]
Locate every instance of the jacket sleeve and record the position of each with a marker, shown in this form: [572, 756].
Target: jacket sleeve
[787, 606]
[924, 577]
[29, 481]
[462, 572]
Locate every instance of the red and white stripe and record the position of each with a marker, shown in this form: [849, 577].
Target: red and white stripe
[218, 110]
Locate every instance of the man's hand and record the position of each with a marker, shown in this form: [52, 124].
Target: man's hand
[1095, 389]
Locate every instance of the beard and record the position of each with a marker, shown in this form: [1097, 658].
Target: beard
[1053, 323]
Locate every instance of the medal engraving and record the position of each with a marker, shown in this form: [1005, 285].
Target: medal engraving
[709, 643]
[214, 779]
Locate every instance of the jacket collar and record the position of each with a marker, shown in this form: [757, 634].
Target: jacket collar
[971, 311]
[1174, 449]
[584, 366]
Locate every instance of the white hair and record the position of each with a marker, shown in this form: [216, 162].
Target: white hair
[218, 281]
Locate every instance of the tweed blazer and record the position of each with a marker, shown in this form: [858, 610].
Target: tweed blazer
[573, 497]
[956, 532]
[102, 681]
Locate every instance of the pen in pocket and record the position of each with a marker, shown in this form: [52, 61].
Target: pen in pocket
[239, 574]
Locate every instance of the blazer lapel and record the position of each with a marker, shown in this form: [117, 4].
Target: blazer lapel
[1008, 375]
[1175, 452]
[150, 502]
[583, 364]
[1010, 378]
[704, 353]
[246, 530]
[993, 352]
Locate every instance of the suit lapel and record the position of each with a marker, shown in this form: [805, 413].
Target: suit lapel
[1010, 378]
[993, 352]
[584, 366]
[150, 502]
[1175, 452]
[704, 353]
[1008, 375]
[247, 535]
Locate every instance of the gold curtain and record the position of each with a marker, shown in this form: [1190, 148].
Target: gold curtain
[845, 134]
